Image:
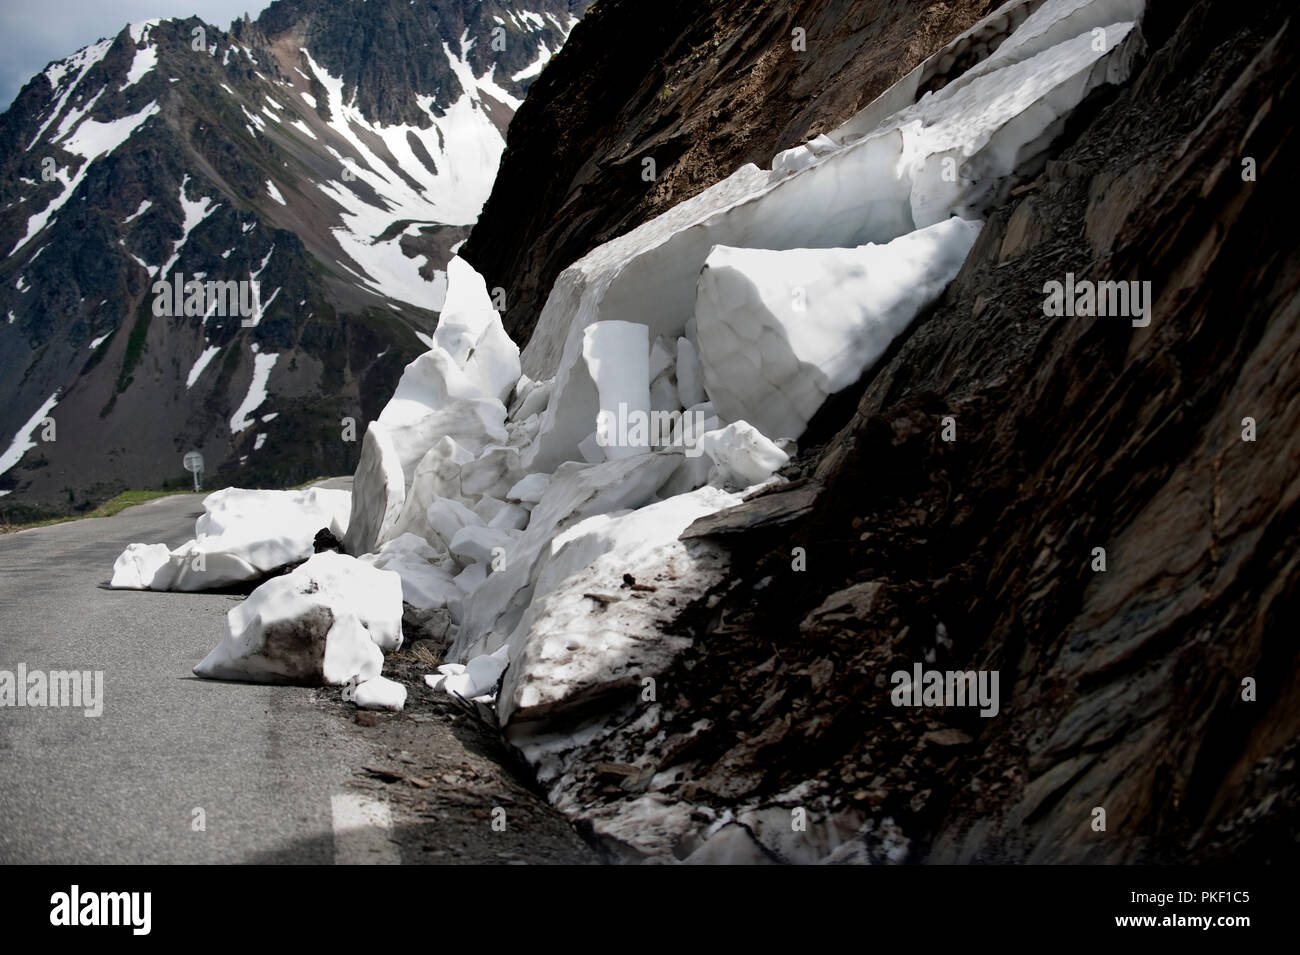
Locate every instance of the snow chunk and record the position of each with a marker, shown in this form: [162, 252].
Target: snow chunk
[571, 646]
[781, 331]
[240, 536]
[137, 567]
[477, 543]
[690, 375]
[436, 476]
[476, 680]
[378, 492]
[618, 361]
[380, 693]
[741, 455]
[324, 623]
[529, 488]
[956, 151]
[470, 330]
[575, 492]
[426, 583]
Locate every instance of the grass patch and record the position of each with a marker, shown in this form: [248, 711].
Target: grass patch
[110, 507]
[134, 349]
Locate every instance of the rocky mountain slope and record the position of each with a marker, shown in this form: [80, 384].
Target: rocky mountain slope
[329, 155]
[946, 510]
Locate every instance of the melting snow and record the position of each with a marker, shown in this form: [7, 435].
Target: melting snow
[146, 58]
[144, 207]
[464, 145]
[81, 61]
[91, 140]
[22, 441]
[262, 365]
[197, 369]
[194, 211]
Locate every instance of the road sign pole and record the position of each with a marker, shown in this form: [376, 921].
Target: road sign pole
[193, 462]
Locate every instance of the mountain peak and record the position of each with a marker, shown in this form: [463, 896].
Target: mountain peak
[331, 153]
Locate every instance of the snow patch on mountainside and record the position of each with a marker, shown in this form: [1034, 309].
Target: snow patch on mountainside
[146, 58]
[200, 363]
[91, 140]
[80, 62]
[464, 145]
[262, 365]
[22, 441]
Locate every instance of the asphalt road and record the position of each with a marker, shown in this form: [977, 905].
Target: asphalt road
[273, 769]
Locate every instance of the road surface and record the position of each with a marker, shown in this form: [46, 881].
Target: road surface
[182, 770]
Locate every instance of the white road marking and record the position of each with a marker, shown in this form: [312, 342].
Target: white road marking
[361, 831]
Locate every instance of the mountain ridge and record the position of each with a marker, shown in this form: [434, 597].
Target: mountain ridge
[239, 155]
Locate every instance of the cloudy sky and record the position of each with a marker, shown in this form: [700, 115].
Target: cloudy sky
[34, 32]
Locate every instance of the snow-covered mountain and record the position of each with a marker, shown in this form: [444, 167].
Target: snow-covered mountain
[326, 158]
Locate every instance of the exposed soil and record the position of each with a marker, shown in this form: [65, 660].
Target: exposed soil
[446, 776]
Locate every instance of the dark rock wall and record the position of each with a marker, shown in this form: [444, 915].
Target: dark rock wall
[1123, 689]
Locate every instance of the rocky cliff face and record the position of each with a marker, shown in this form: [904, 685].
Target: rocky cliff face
[1101, 511]
[330, 154]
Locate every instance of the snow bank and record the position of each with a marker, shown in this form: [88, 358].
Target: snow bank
[955, 151]
[240, 536]
[570, 644]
